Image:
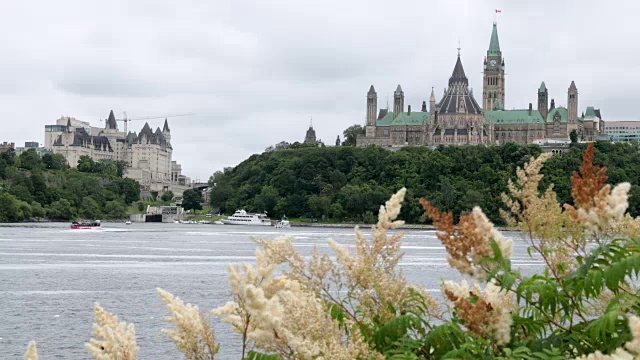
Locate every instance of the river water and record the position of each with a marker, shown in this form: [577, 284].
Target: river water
[50, 277]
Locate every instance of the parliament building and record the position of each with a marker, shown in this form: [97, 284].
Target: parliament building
[458, 119]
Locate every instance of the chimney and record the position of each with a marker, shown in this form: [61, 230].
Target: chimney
[530, 109]
[424, 106]
[409, 109]
[553, 105]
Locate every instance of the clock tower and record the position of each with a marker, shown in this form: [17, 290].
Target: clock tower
[493, 79]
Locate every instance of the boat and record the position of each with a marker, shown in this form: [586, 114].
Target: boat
[241, 217]
[218, 222]
[284, 223]
[204, 222]
[128, 222]
[86, 224]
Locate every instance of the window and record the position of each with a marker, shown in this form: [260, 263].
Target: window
[386, 132]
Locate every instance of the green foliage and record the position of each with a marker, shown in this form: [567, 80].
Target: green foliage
[573, 135]
[30, 160]
[360, 179]
[60, 210]
[47, 188]
[254, 355]
[167, 196]
[191, 199]
[351, 133]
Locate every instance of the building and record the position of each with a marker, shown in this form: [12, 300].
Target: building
[148, 154]
[622, 131]
[457, 119]
[32, 145]
[5, 146]
[310, 136]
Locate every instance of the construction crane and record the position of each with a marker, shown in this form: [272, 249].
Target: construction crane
[126, 119]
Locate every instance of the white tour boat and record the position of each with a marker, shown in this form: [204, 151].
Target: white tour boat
[241, 217]
[284, 223]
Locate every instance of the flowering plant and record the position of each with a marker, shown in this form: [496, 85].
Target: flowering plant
[358, 305]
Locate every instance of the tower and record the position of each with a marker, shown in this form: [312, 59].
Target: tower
[166, 132]
[572, 104]
[372, 109]
[111, 121]
[398, 102]
[493, 75]
[432, 101]
[543, 100]
[310, 137]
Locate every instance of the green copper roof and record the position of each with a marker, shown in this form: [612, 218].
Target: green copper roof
[386, 120]
[415, 118]
[404, 119]
[590, 113]
[542, 88]
[494, 45]
[513, 117]
[560, 111]
[398, 90]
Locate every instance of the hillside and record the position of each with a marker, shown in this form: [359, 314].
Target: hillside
[45, 188]
[349, 184]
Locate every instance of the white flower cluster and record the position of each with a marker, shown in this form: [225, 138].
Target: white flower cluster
[608, 209]
[112, 340]
[489, 314]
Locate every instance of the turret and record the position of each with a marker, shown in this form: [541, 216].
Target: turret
[166, 131]
[398, 102]
[543, 100]
[372, 109]
[111, 121]
[572, 104]
[432, 101]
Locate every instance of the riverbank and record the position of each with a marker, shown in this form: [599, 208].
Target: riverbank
[363, 226]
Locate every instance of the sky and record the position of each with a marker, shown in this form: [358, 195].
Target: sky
[254, 73]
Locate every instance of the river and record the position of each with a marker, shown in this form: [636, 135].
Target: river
[50, 277]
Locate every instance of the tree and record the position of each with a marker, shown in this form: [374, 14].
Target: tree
[167, 196]
[86, 164]
[89, 208]
[319, 206]
[351, 133]
[267, 199]
[9, 210]
[573, 135]
[54, 161]
[60, 210]
[114, 210]
[191, 199]
[30, 160]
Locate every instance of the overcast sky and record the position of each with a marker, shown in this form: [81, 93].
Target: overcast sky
[255, 72]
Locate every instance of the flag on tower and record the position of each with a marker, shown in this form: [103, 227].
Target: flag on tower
[498, 11]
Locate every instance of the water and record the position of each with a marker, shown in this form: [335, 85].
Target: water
[50, 277]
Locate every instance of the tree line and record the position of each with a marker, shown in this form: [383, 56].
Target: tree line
[349, 184]
[34, 187]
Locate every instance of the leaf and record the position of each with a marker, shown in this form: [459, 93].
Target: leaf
[254, 355]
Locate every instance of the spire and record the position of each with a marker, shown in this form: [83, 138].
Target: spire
[543, 88]
[111, 121]
[433, 95]
[69, 122]
[165, 128]
[398, 90]
[371, 90]
[494, 44]
[458, 75]
[573, 86]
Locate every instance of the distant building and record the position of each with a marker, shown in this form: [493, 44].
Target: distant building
[147, 154]
[338, 141]
[622, 131]
[310, 137]
[32, 145]
[5, 146]
[457, 119]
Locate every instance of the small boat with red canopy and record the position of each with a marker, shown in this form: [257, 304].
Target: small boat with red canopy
[86, 224]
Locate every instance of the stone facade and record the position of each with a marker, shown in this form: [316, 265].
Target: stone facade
[457, 119]
[5, 146]
[147, 154]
